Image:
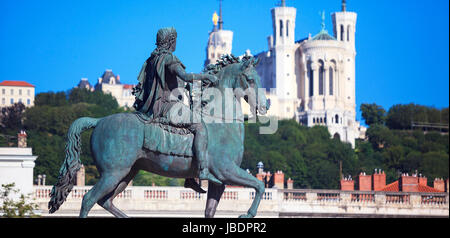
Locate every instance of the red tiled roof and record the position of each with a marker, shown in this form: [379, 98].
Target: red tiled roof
[426, 189]
[16, 84]
[128, 86]
[394, 187]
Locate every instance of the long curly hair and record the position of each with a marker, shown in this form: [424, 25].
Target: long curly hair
[165, 38]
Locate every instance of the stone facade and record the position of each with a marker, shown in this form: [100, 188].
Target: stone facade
[110, 84]
[220, 41]
[312, 80]
[16, 91]
[16, 166]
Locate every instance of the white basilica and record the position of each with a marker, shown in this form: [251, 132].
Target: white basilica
[311, 80]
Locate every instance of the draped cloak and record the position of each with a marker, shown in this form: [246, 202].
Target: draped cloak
[152, 102]
[152, 91]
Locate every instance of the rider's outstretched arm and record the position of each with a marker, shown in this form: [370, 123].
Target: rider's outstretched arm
[189, 77]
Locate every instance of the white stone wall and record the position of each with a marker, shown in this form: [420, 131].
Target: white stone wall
[14, 94]
[122, 95]
[220, 43]
[16, 166]
[283, 21]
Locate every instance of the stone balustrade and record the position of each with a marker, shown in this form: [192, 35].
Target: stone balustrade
[179, 201]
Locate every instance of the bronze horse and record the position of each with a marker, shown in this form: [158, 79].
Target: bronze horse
[119, 151]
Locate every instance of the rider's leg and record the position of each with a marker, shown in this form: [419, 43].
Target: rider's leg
[200, 151]
[191, 183]
[185, 120]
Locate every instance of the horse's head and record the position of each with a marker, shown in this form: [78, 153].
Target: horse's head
[250, 82]
[241, 76]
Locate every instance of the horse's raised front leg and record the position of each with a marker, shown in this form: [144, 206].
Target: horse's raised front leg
[237, 176]
[214, 194]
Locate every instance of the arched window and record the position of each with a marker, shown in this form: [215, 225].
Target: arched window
[321, 77]
[348, 33]
[314, 120]
[287, 28]
[337, 136]
[331, 80]
[342, 32]
[311, 80]
[336, 119]
[281, 28]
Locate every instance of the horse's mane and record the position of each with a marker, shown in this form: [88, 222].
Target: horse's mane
[225, 60]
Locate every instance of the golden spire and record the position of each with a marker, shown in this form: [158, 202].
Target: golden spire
[215, 18]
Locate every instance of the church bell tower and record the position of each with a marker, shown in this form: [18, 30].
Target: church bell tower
[283, 21]
[344, 28]
[220, 41]
[344, 25]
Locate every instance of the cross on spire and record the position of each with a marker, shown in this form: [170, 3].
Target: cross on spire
[323, 20]
[220, 15]
[344, 5]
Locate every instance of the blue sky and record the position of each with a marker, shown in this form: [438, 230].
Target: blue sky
[402, 46]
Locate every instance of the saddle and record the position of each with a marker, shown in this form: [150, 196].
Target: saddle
[164, 138]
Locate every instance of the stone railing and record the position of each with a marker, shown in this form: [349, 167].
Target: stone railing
[336, 203]
[275, 202]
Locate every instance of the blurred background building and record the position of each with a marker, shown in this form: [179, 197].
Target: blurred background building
[311, 80]
[16, 91]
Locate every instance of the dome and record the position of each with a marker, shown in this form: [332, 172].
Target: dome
[260, 165]
[221, 38]
[106, 77]
[84, 83]
[323, 35]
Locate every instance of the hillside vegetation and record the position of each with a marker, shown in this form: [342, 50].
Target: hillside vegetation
[307, 155]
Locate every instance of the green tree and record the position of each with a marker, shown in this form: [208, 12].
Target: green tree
[13, 208]
[435, 165]
[373, 114]
[401, 116]
[49, 120]
[106, 101]
[51, 99]
[444, 116]
[380, 136]
[12, 118]
[410, 162]
[144, 178]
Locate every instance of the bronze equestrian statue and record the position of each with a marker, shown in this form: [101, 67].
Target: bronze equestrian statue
[166, 137]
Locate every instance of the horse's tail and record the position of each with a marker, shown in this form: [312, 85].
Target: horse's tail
[72, 162]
